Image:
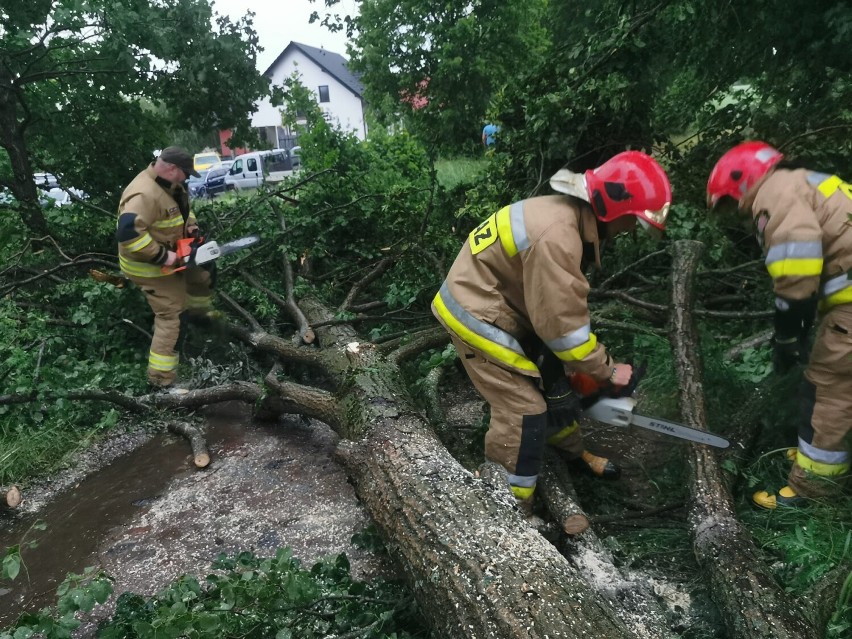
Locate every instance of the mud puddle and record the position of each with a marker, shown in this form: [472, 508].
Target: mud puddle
[151, 516]
[79, 518]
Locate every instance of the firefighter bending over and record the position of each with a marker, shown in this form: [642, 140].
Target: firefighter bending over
[517, 290]
[803, 221]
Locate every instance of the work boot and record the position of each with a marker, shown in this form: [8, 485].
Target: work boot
[786, 497]
[599, 467]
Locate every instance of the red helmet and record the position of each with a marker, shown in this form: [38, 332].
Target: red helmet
[739, 170]
[630, 183]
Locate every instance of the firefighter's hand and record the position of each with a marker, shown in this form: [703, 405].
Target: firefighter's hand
[621, 375]
[192, 230]
[787, 353]
[563, 405]
[171, 259]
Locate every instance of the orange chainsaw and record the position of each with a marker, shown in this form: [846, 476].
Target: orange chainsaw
[194, 251]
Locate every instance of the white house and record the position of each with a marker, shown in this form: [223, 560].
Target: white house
[338, 92]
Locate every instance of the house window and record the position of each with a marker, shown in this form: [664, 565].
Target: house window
[323, 93]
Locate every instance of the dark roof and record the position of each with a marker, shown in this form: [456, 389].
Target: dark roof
[332, 63]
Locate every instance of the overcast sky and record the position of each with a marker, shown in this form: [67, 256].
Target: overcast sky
[278, 22]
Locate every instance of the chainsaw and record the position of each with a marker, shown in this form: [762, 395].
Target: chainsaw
[615, 406]
[195, 251]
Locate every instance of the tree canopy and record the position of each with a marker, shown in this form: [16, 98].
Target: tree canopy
[84, 84]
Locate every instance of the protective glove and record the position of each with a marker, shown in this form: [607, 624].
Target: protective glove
[787, 353]
[563, 405]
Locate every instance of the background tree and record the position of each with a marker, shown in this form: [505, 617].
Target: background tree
[80, 79]
[437, 65]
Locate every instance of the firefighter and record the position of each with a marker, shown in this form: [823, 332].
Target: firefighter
[517, 289]
[802, 221]
[153, 215]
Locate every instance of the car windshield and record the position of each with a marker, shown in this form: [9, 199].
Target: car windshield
[196, 180]
[206, 159]
[216, 173]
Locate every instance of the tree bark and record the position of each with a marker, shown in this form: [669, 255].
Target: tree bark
[200, 454]
[476, 567]
[750, 600]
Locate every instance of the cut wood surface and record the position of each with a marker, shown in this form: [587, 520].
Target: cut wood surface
[751, 601]
[13, 496]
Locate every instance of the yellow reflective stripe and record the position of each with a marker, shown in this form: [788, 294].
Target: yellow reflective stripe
[836, 299]
[170, 223]
[496, 351]
[140, 269]
[578, 352]
[829, 186]
[795, 267]
[195, 301]
[522, 492]
[821, 468]
[142, 242]
[562, 434]
[504, 232]
[163, 363]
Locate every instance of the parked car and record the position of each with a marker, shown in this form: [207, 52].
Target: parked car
[252, 169]
[205, 160]
[195, 184]
[214, 183]
[296, 158]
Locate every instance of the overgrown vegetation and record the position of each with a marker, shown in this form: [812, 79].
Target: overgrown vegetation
[681, 79]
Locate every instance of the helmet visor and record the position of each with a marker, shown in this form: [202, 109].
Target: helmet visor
[658, 217]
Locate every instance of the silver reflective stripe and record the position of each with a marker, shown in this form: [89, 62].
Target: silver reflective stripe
[519, 228]
[483, 329]
[820, 455]
[522, 482]
[794, 250]
[571, 340]
[836, 284]
[815, 179]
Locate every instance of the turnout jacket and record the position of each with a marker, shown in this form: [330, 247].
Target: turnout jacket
[518, 281]
[152, 217]
[803, 223]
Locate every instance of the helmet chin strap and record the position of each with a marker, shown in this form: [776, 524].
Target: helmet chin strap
[649, 228]
[570, 183]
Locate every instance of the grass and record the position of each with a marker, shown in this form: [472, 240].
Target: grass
[456, 171]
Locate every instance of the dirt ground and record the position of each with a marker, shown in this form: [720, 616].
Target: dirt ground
[269, 487]
[266, 487]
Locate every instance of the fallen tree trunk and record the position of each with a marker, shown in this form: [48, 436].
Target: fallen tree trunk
[476, 567]
[750, 600]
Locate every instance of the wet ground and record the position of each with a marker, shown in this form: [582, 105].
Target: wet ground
[151, 516]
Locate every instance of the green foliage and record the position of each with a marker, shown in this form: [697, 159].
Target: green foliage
[250, 596]
[448, 60]
[93, 109]
[77, 593]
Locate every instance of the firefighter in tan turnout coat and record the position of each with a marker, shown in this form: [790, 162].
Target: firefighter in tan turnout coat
[153, 215]
[803, 221]
[517, 290]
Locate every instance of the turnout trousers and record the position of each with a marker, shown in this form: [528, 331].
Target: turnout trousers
[518, 429]
[169, 296]
[826, 399]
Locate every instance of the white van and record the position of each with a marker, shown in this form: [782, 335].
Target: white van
[250, 170]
